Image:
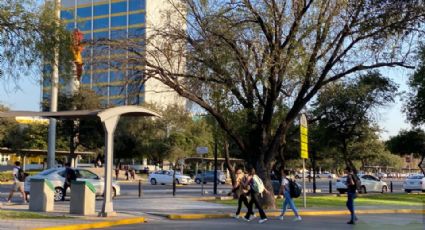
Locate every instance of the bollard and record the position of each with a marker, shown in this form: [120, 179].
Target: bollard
[140, 188]
[391, 186]
[330, 187]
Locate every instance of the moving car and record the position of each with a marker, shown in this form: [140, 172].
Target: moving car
[414, 182]
[369, 184]
[209, 177]
[166, 177]
[57, 177]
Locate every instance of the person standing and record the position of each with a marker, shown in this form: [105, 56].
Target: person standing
[241, 192]
[18, 182]
[255, 190]
[351, 194]
[285, 189]
[70, 176]
[117, 172]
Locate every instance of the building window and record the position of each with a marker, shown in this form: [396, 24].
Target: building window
[119, 7]
[118, 34]
[136, 32]
[84, 25]
[119, 21]
[100, 35]
[67, 14]
[136, 19]
[85, 79]
[116, 90]
[70, 26]
[101, 23]
[137, 5]
[101, 10]
[84, 12]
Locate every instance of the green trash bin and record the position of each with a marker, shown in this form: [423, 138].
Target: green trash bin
[83, 198]
[42, 195]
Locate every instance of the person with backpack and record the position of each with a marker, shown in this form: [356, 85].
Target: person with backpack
[70, 176]
[18, 182]
[351, 194]
[290, 190]
[256, 189]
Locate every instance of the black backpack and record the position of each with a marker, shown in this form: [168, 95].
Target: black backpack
[294, 189]
[21, 175]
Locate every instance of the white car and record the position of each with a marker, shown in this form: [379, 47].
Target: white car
[166, 177]
[369, 184]
[57, 177]
[327, 175]
[414, 182]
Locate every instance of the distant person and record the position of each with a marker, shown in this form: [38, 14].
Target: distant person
[285, 189]
[126, 173]
[240, 191]
[133, 173]
[117, 172]
[70, 176]
[256, 189]
[18, 182]
[351, 194]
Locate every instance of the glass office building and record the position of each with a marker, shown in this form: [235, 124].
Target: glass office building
[106, 19]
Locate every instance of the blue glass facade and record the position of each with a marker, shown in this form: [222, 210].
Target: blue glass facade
[106, 19]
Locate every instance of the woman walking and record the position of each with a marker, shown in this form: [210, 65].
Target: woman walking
[241, 191]
[284, 187]
[256, 188]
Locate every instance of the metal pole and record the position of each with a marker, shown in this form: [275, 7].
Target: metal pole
[174, 180]
[304, 187]
[391, 186]
[330, 186]
[202, 173]
[215, 167]
[53, 99]
[140, 188]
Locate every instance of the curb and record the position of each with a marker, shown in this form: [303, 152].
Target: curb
[101, 224]
[196, 216]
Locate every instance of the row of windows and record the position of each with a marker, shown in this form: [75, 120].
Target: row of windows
[103, 23]
[99, 10]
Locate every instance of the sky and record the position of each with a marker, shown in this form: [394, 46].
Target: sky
[390, 118]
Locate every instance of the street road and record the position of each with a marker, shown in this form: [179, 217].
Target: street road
[387, 222]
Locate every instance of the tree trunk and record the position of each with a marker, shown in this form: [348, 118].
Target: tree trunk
[420, 164]
[229, 166]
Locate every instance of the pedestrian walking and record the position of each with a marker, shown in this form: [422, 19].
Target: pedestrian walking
[70, 176]
[240, 191]
[117, 172]
[126, 173]
[256, 189]
[285, 189]
[351, 194]
[18, 182]
[133, 173]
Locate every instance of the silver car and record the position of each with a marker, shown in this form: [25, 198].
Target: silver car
[57, 177]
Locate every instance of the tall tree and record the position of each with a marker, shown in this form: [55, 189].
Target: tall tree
[268, 59]
[409, 142]
[28, 34]
[344, 112]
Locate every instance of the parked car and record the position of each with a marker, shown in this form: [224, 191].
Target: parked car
[57, 177]
[209, 177]
[381, 175]
[327, 175]
[414, 182]
[369, 184]
[166, 177]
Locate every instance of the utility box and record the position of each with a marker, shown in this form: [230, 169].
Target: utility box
[83, 198]
[42, 195]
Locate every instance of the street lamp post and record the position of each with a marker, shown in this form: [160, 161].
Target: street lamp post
[215, 167]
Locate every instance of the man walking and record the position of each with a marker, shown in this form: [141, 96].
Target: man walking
[351, 194]
[70, 176]
[18, 182]
[285, 189]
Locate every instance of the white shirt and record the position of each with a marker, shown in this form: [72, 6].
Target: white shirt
[285, 183]
[15, 172]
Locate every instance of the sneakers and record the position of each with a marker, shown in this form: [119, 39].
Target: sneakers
[351, 222]
[246, 219]
[298, 218]
[280, 217]
[262, 220]
[236, 216]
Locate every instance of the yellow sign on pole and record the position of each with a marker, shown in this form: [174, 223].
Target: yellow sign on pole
[304, 137]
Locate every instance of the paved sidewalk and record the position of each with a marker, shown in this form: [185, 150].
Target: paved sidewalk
[132, 209]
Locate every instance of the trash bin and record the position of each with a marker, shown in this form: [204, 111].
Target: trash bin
[83, 198]
[42, 195]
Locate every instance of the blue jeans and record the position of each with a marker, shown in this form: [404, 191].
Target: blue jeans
[350, 204]
[290, 202]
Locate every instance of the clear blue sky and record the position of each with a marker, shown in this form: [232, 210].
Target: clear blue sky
[390, 118]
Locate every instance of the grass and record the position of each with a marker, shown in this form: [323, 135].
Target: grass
[27, 215]
[362, 200]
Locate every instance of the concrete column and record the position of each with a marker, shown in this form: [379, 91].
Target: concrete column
[23, 162]
[222, 166]
[196, 168]
[109, 126]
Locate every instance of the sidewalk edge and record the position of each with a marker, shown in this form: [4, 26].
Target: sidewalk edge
[101, 224]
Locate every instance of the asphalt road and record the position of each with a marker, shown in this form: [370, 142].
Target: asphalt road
[387, 222]
[132, 188]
